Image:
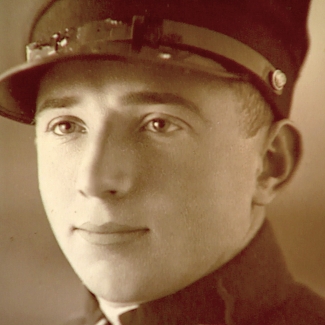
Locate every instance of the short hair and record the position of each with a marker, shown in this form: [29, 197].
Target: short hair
[256, 111]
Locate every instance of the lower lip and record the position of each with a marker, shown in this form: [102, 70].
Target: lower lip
[111, 238]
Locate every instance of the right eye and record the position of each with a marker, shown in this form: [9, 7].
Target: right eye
[65, 127]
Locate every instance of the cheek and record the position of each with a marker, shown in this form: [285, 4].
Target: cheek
[56, 174]
[217, 182]
[203, 172]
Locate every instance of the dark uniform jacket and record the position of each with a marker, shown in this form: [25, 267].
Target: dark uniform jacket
[254, 288]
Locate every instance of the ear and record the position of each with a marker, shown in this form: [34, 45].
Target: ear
[280, 158]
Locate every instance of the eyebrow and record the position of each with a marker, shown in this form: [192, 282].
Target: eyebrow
[155, 98]
[61, 102]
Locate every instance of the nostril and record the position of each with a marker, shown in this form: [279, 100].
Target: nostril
[82, 193]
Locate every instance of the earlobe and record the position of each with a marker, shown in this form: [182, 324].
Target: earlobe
[280, 158]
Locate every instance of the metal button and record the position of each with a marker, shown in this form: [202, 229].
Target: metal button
[279, 79]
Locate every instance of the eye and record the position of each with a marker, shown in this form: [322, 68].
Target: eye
[65, 127]
[161, 125]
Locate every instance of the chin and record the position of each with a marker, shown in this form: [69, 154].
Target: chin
[124, 293]
[114, 285]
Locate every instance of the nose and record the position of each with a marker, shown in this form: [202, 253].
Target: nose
[107, 168]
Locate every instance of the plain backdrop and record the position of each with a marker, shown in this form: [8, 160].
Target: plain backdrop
[36, 283]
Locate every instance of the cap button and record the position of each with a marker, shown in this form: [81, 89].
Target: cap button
[279, 79]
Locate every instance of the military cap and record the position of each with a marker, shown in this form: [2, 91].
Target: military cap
[261, 41]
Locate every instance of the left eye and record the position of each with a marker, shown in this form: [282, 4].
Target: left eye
[160, 125]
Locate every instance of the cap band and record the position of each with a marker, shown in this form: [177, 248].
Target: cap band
[163, 40]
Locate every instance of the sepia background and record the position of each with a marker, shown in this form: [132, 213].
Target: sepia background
[36, 283]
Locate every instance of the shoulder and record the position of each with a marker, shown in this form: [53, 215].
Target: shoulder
[305, 307]
[302, 307]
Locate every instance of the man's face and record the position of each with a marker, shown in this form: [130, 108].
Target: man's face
[146, 175]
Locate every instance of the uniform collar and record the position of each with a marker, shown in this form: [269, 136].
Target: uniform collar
[240, 292]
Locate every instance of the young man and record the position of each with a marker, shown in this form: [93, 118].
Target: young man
[162, 134]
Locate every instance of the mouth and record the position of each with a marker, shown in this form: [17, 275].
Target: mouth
[109, 233]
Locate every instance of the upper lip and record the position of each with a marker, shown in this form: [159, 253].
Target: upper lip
[108, 228]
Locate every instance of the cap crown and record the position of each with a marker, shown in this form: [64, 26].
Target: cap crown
[276, 29]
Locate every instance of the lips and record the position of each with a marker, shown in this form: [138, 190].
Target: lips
[109, 233]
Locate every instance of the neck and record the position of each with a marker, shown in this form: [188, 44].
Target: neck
[257, 219]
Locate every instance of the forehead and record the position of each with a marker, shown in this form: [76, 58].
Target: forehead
[100, 73]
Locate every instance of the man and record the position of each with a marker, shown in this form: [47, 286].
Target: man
[162, 134]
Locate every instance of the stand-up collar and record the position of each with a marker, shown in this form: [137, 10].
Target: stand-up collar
[240, 292]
